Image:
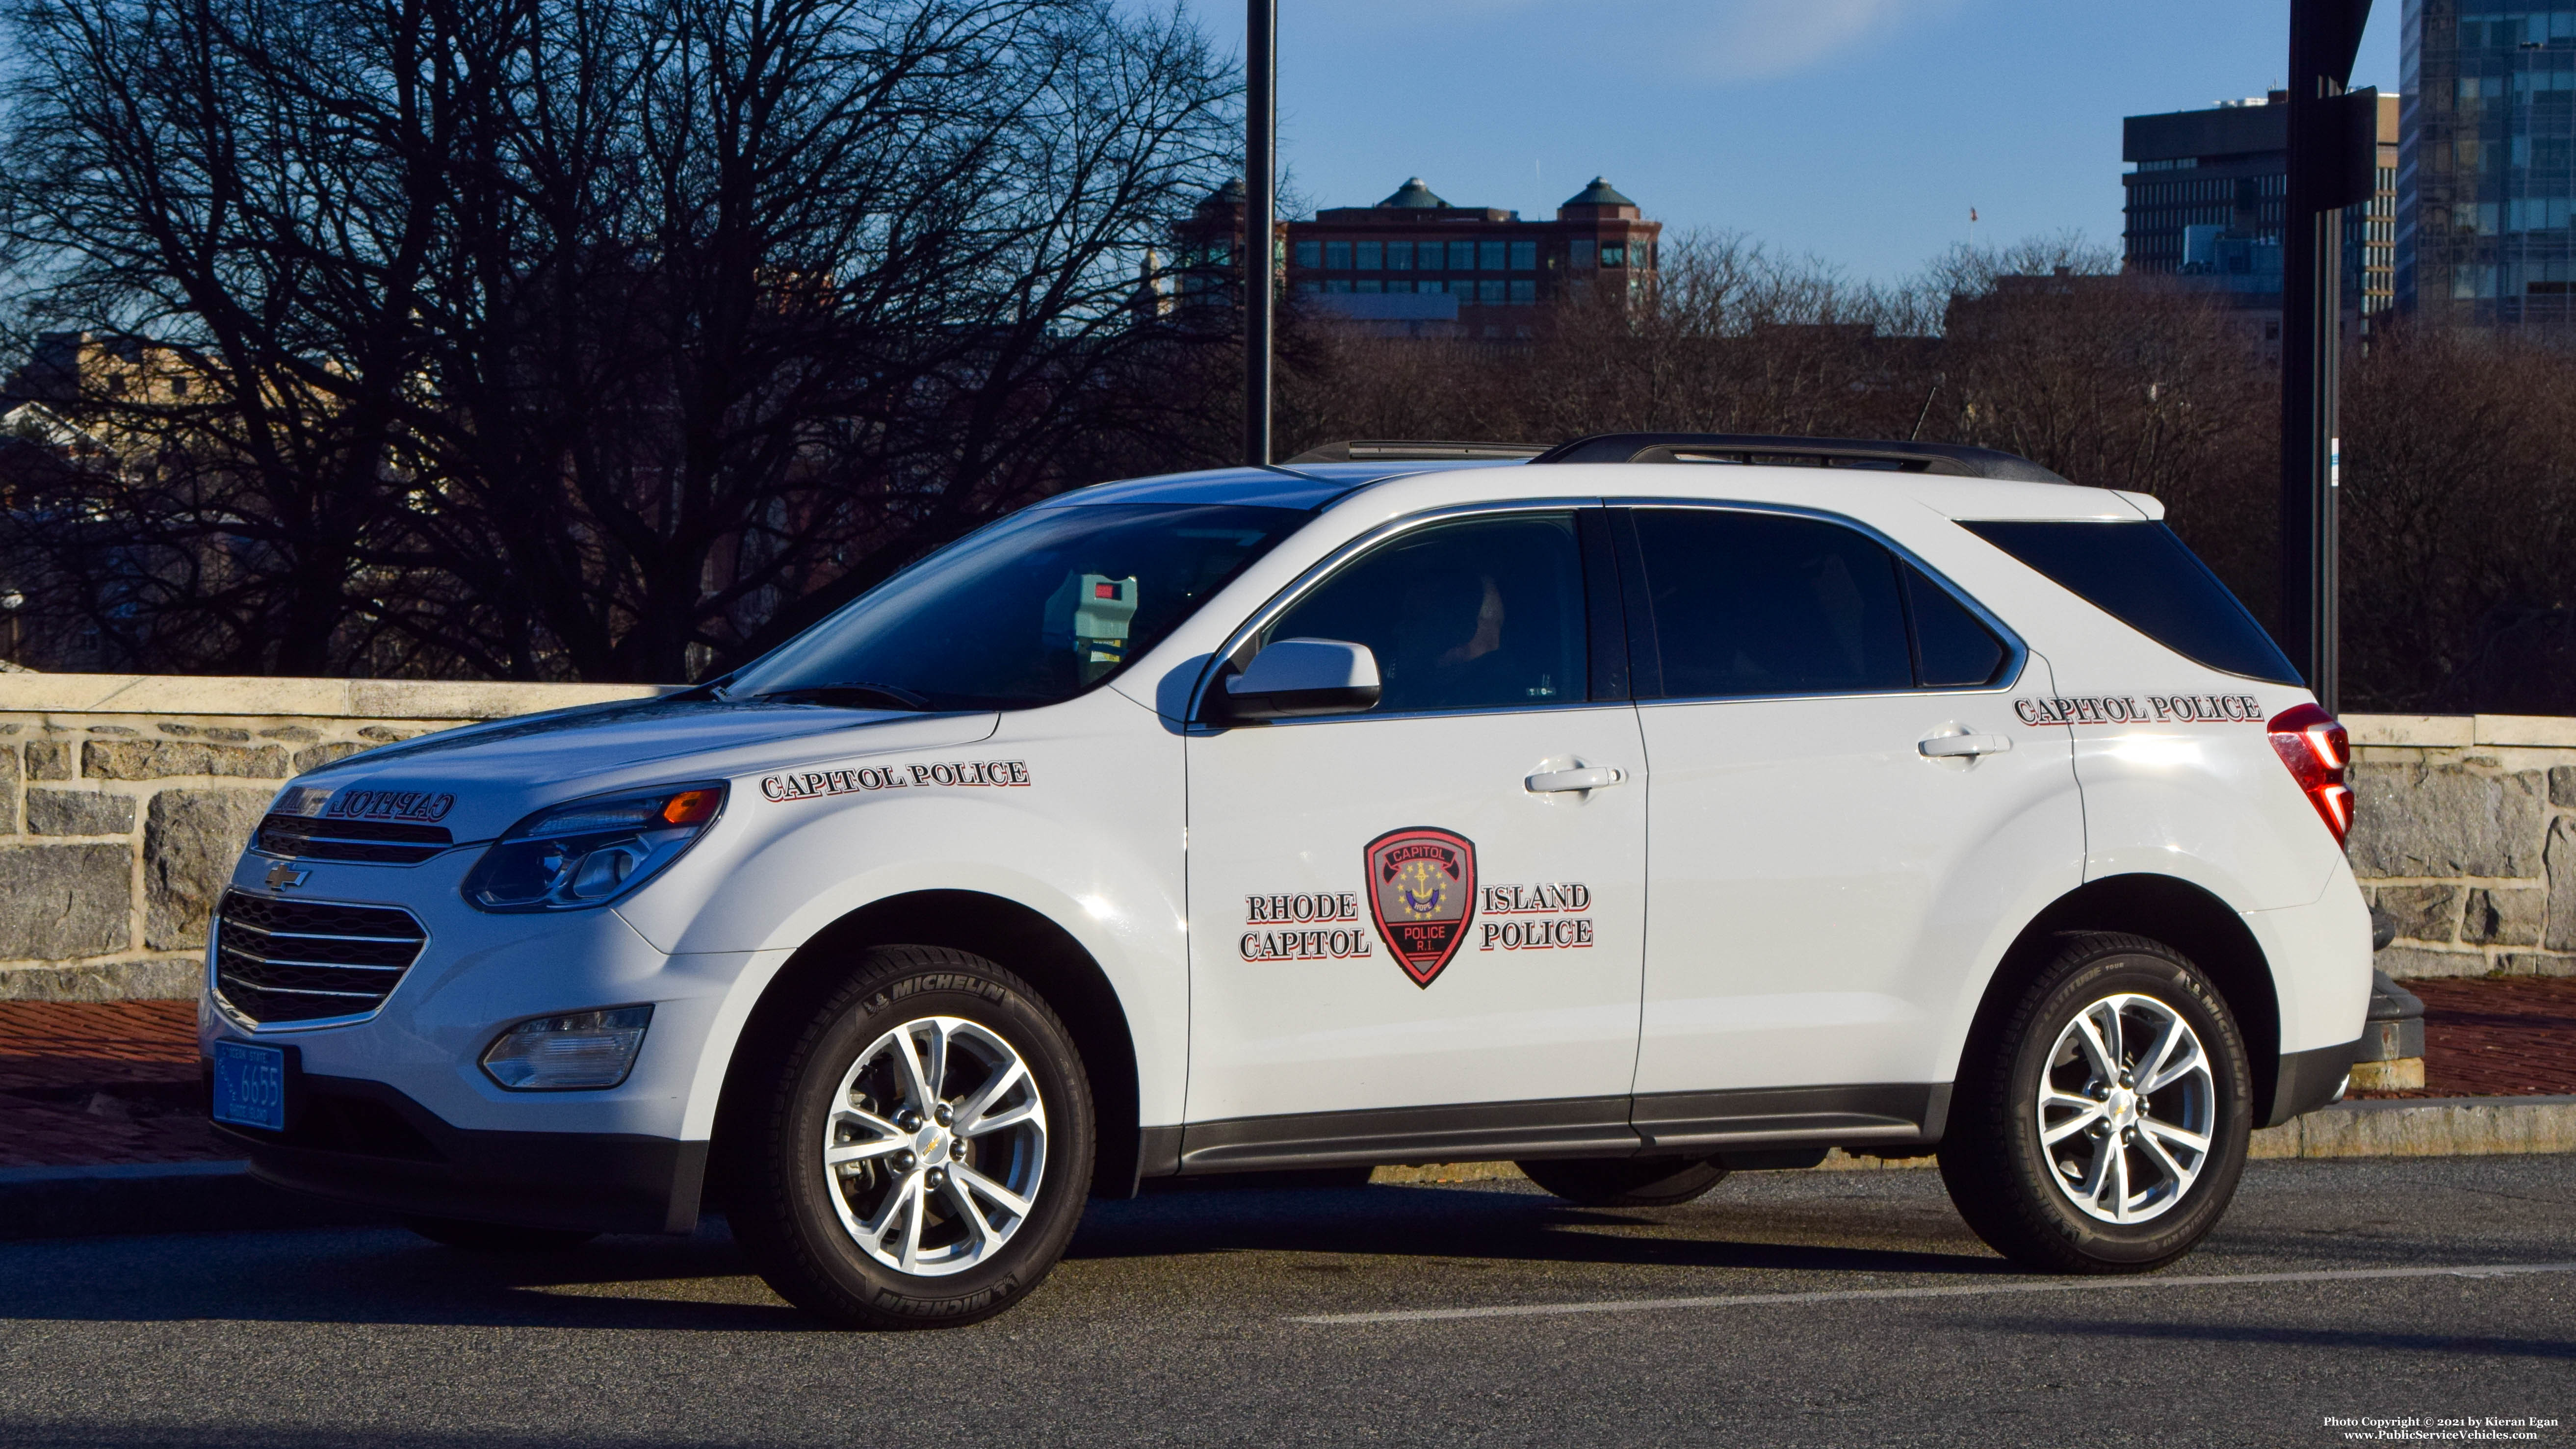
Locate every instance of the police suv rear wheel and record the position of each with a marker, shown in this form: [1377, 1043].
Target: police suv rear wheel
[918, 1155]
[2101, 1125]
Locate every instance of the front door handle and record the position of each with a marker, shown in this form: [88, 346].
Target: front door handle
[1951, 747]
[1590, 777]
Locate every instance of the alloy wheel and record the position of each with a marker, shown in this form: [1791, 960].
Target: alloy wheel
[2126, 1108]
[935, 1146]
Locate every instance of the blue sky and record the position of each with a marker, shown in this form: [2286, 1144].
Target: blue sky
[1858, 131]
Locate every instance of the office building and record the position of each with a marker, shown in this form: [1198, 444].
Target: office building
[2209, 188]
[2487, 166]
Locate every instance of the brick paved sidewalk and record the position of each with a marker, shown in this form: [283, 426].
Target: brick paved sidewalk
[2491, 1037]
[82, 1084]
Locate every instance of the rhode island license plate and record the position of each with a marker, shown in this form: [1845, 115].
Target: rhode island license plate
[250, 1085]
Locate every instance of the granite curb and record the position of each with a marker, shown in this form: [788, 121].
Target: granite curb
[201, 1197]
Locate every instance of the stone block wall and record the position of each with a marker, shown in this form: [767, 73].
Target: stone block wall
[2466, 834]
[125, 799]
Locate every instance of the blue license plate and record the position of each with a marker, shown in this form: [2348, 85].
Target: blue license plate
[250, 1085]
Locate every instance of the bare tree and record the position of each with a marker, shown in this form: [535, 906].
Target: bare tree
[2116, 382]
[2458, 516]
[553, 337]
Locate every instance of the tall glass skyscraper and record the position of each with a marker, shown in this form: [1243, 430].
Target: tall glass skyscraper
[2486, 169]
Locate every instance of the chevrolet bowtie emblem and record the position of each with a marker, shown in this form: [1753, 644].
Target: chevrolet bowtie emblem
[282, 876]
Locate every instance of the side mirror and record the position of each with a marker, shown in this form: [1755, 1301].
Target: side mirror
[1296, 678]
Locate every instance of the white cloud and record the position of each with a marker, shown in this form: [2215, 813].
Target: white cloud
[1758, 38]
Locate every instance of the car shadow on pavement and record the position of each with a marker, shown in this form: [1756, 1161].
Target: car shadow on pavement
[383, 1275]
[1454, 1223]
[702, 1283]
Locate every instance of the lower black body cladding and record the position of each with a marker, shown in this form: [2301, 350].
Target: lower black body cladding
[365, 1142]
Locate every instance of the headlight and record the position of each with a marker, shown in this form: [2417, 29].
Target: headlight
[590, 852]
[584, 1049]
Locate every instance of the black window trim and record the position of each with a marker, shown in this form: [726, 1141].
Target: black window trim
[2008, 678]
[1599, 631]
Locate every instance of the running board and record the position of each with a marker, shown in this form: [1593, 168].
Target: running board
[1766, 1118]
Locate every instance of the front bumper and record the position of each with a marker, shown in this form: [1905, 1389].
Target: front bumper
[480, 973]
[365, 1142]
[392, 1110]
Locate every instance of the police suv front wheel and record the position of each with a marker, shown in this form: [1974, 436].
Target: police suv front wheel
[2100, 1124]
[918, 1154]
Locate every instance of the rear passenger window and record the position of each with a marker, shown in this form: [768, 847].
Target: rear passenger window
[1760, 603]
[1736, 604]
[2143, 576]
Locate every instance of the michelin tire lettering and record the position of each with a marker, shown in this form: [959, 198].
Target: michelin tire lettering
[866, 779]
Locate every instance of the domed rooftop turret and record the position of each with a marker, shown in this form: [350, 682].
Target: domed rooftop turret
[1599, 193]
[1413, 194]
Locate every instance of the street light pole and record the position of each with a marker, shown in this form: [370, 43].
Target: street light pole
[1260, 208]
[2333, 163]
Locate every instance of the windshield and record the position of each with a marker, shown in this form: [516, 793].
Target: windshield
[1035, 609]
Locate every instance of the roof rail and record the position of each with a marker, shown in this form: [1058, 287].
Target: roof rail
[1376, 451]
[1953, 459]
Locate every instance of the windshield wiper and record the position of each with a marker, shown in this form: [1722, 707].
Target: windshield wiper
[857, 694]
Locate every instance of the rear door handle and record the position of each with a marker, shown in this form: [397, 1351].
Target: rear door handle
[1950, 747]
[1590, 777]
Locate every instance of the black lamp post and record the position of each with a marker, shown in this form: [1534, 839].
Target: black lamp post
[1260, 208]
[2333, 163]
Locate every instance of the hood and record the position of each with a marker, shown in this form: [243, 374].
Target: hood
[497, 773]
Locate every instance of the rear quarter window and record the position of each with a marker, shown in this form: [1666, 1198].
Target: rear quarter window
[2143, 576]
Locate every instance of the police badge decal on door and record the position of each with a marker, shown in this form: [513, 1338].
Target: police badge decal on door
[1422, 892]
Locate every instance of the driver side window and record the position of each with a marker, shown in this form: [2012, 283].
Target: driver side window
[1484, 613]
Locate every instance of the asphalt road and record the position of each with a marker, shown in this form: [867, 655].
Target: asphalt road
[1815, 1308]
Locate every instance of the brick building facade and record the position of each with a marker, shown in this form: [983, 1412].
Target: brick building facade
[1485, 265]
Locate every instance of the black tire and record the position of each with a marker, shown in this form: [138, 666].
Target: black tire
[781, 1200]
[476, 1237]
[2007, 1184]
[1625, 1181]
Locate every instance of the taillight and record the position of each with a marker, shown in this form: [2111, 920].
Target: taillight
[2316, 748]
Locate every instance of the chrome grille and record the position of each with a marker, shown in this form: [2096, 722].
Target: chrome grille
[281, 960]
[382, 842]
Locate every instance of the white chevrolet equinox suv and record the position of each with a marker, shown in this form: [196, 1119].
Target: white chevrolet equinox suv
[1655, 806]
